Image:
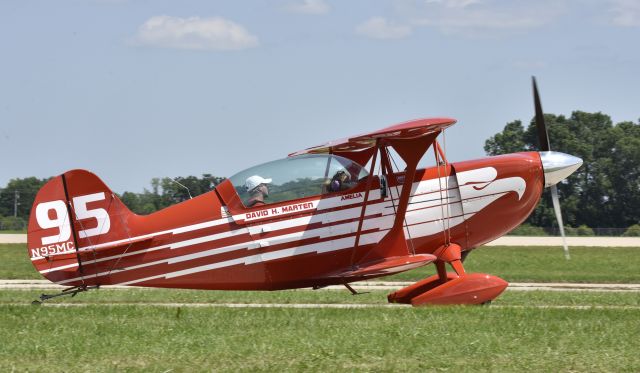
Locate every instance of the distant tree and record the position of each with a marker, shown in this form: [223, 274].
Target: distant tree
[174, 191]
[605, 191]
[166, 192]
[140, 203]
[528, 230]
[12, 223]
[583, 230]
[299, 188]
[510, 140]
[633, 231]
[25, 190]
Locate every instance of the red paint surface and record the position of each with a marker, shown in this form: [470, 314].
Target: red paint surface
[150, 249]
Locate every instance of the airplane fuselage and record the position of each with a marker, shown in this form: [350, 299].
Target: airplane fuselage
[211, 242]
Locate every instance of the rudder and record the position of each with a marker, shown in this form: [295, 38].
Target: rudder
[54, 241]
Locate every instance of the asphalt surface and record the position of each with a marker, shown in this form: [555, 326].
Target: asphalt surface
[364, 286]
[502, 241]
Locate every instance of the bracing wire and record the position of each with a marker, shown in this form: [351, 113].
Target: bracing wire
[446, 165]
[444, 230]
[90, 243]
[393, 202]
[93, 250]
[128, 236]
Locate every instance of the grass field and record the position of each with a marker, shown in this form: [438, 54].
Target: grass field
[376, 297]
[547, 264]
[161, 330]
[514, 264]
[510, 335]
[15, 263]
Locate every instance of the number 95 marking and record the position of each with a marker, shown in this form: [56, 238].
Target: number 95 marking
[61, 220]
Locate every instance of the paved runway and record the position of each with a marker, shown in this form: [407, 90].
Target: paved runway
[502, 241]
[363, 286]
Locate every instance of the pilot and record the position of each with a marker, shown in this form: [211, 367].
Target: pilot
[258, 191]
[340, 181]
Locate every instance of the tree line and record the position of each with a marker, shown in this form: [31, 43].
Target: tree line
[17, 197]
[604, 192]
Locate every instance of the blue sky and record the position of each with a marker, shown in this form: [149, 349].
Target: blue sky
[138, 89]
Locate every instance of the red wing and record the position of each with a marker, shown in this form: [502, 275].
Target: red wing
[387, 266]
[406, 130]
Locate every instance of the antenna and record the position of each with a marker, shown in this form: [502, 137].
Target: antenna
[175, 180]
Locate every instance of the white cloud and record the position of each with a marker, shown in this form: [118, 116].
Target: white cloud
[308, 7]
[194, 33]
[626, 13]
[476, 17]
[380, 28]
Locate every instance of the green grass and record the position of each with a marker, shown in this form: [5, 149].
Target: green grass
[547, 264]
[127, 330]
[158, 338]
[514, 264]
[146, 295]
[15, 263]
[379, 297]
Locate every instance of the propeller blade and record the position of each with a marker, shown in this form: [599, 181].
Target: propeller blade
[543, 136]
[556, 209]
[543, 140]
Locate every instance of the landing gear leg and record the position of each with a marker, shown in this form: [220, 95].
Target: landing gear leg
[458, 287]
[353, 291]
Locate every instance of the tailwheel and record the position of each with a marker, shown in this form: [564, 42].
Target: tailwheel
[464, 255]
[72, 291]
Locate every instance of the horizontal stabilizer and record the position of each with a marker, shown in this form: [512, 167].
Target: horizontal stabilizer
[111, 245]
[124, 243]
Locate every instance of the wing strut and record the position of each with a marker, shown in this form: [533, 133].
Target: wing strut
[411, 151]
[395, 210]
[364, 203]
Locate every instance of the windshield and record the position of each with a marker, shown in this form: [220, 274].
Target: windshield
[296, 177]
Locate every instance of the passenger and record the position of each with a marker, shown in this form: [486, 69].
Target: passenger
[258, 191]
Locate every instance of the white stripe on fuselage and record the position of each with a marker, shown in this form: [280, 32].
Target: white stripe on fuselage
[319, 248]
[425, 207]
[324, 204]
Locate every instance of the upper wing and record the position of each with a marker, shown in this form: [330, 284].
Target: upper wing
[406, 130]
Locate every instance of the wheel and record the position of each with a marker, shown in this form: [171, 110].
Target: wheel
[464, 255]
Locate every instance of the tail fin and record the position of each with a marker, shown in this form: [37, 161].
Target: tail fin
[73, 211]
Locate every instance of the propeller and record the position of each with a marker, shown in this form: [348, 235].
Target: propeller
[556, 165]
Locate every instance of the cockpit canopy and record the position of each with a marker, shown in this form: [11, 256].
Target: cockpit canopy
[300, 176]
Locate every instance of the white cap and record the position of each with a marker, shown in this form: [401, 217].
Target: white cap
[253, 181]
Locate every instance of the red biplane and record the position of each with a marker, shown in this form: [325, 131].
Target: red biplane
[313, 219]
